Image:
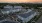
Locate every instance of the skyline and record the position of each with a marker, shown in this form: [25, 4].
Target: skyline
[20, 1]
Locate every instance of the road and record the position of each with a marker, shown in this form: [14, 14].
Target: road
[39, 20]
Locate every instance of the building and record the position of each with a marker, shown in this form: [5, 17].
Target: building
[8, 6]
[7, 9]
[18, 8]
[27, 16]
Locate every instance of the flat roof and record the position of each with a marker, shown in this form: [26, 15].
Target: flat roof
[27, 14]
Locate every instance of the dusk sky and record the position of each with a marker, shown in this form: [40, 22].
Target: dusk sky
[21, 1]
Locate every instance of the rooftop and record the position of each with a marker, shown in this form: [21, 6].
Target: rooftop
[27, 14]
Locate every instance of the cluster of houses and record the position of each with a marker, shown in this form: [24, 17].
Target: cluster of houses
[25, 17]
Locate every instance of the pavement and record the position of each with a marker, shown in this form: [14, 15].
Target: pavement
[39, 20]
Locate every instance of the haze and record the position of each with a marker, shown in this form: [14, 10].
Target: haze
[20, 1]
